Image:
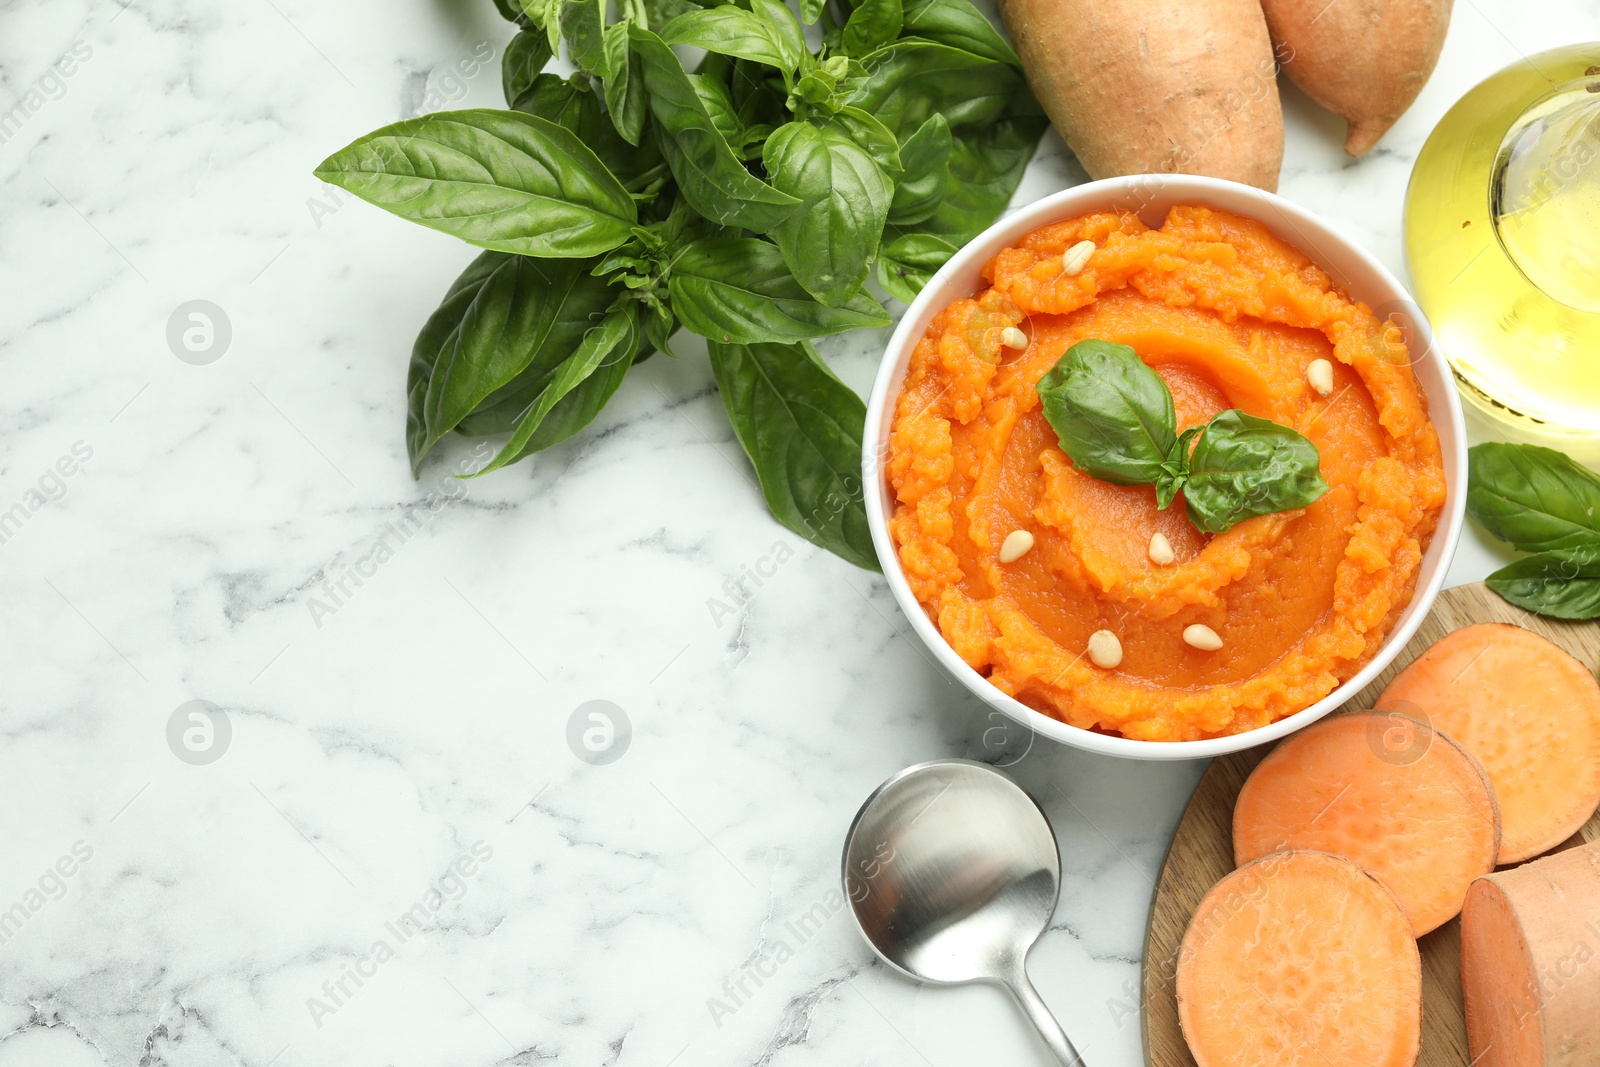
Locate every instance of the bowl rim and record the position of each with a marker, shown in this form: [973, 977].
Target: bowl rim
[1173, 189]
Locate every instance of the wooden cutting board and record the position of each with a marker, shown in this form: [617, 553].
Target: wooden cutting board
[1202, 851]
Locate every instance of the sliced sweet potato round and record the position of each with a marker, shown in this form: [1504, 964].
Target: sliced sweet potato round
[1528, 711]
[1384, 791]
[1300, 959]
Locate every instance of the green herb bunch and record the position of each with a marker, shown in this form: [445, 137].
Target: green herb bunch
[1543, 502]
[745, 197]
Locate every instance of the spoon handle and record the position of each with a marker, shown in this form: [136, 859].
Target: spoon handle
[1039, 1015]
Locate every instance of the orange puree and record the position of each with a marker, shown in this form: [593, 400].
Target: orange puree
[1230, 317]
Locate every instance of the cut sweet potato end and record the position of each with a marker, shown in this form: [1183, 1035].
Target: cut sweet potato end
[1530, 963]
[1528, 711]
[1384, 791]
[1300, 959]
[1498, 983]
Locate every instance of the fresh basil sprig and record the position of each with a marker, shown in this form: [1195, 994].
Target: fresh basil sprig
[1543, 502]
[747, 196]
[1115, 418]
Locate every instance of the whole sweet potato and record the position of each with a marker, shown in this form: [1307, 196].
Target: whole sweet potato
[1363, 59]
[1140, 86]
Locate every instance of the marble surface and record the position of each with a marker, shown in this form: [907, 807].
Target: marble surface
[397, 859]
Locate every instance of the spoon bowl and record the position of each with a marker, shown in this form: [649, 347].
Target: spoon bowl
[952, 873]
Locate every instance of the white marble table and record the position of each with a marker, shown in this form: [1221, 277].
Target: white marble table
[399, 750]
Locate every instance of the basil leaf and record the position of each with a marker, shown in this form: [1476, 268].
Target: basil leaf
[510, 10]
[733, 31]
[625, 99]
[525, 57]
[613, 340]
[710, 176]
[960, 25]
[582, 27]
[811, 11]
[925, 156]
[908, 263]
[984, 170]
[546, 14]
[494, 321]
[785, 29]
[801, 428]
[1246, 466]
[737, 289]
[871, 26]
[829, 243]
[497, 179]
[1561, 585]
[573, 104]
[584, 307]
[1112, 413]
[911, 80]
[1536, 498]
[870, 134]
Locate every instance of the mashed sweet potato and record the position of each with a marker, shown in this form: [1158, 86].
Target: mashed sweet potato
[1230, 317]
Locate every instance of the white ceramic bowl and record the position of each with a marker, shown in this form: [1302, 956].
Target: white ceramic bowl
[1361, 275]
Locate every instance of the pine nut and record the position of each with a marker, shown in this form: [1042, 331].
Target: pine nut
[1320, 375]
[1076, 257]
[1105, 650]
[1017, 544]
[1161, 550]
[1012, 337]
[1202, 637]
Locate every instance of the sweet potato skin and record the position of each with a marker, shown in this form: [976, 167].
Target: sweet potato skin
[1365, 60]
[1146, 89]
[1535, 1001]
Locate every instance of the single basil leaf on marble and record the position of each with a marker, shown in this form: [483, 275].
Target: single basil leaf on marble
[925, 157]
[738, 290]
[625, 99]
[908, 263]
[829, 243]
[710, 175]
[501, 180]
[583, 28]
[910, 80]
[614, 339]
[1536, 498]
[733, 31]
[1246, 466]
[524, 60]
[1112, 413]
[494, 322]
[801, 428]
[960, 25]
[871, 26]
[1559, 584]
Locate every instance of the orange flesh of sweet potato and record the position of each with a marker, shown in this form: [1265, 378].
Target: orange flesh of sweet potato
[1156, 88]
[1363, 59]
[1528, 711]
[1530, 963]
[1420, 815]
[1300, 959]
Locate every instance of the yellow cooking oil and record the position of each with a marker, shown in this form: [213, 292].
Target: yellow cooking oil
[1502, 229]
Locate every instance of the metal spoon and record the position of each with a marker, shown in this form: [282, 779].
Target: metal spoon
[952, 873]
